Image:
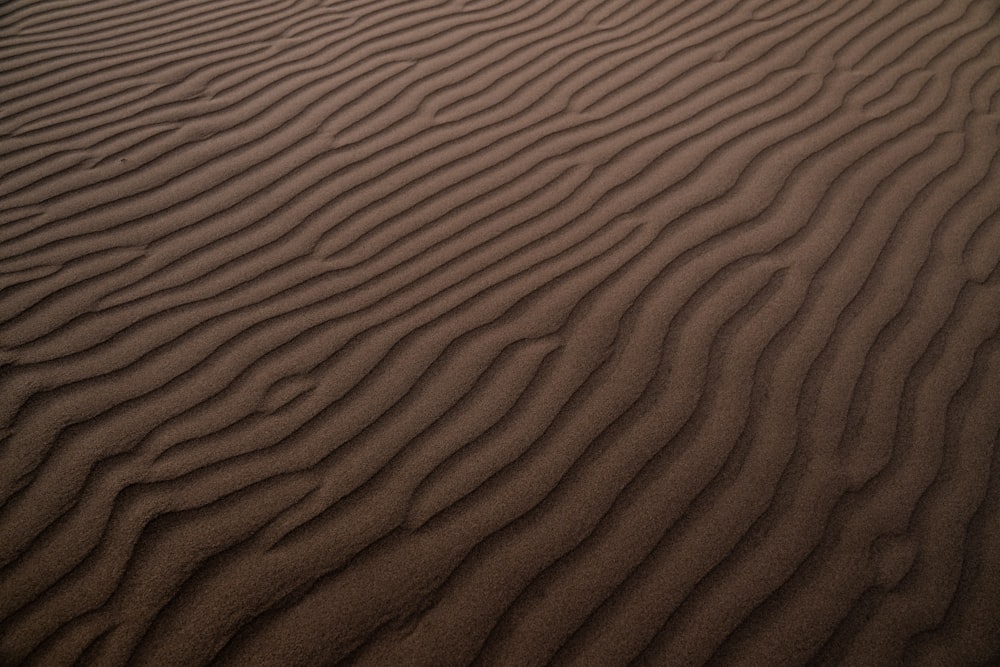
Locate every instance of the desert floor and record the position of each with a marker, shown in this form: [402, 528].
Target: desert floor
[507, 332]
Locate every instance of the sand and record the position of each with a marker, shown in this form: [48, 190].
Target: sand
[506, 332]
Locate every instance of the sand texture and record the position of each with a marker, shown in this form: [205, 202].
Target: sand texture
[499, 332]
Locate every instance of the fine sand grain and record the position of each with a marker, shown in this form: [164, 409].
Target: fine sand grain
[507, 332]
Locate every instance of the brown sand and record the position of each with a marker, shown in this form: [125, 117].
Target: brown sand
[431, 332]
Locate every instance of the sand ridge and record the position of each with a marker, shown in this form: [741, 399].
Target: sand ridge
[507, 332]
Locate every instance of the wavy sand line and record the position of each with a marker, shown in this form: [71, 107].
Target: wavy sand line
[511, 333]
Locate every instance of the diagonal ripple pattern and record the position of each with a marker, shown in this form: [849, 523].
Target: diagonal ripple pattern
[499, 332]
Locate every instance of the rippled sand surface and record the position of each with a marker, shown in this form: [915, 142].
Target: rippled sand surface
[507, 332]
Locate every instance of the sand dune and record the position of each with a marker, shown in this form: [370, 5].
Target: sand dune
[506, 332]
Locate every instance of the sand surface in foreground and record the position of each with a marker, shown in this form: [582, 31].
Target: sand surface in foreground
[508, 332]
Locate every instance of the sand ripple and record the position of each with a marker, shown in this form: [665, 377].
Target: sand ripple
[508, 332]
